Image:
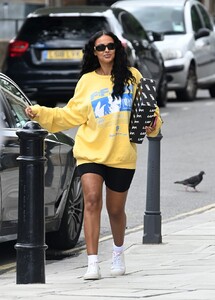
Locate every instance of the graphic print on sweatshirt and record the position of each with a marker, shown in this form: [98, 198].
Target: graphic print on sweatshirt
[105, 104]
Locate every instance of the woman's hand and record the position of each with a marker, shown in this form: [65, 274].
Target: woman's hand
[30, 113]
[151, 128]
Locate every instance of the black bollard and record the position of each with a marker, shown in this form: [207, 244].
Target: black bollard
[30, 246]
[152, 216]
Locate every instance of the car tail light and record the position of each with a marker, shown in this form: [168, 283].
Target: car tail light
[17, 48]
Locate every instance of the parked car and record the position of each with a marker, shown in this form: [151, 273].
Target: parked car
[188, 47]
[45, 58]
[63, 191]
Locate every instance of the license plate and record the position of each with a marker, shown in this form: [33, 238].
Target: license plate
[62, 55]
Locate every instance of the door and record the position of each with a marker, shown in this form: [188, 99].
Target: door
[202, 47]
[9, 172]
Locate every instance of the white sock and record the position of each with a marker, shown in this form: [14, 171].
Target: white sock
[92, 259]
[118, 249]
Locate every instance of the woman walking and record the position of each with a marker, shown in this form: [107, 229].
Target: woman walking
[101, 107]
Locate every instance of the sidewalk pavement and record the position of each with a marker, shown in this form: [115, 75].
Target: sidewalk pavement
[182, 267]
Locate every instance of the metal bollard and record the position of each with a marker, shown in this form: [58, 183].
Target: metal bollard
[152, 216]
[30, 246]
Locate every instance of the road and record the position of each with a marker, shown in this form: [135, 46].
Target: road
[187, 148]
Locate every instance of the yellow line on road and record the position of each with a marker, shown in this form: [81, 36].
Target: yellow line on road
[177, 217]
[8, 267]
[192, 212]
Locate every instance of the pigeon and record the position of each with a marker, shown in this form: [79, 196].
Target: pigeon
[192, 181]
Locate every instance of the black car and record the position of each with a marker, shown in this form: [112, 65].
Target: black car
[45, 57]
[63, 191]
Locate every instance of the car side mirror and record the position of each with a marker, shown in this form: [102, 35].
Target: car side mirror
[202, 33]
[155, 36]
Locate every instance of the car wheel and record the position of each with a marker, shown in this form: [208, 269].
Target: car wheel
[68, 234]
[162, 92]
[212, 91]
[189, 93]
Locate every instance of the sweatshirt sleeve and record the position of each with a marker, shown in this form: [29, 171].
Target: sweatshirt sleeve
[158, 125]
[57, 119]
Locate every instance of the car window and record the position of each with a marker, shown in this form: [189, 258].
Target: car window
[70, 28]
[131, 26]
[196, 21]
[4, 120]
[5, 84]
[16, 102]
[169, 20]
[205, 17]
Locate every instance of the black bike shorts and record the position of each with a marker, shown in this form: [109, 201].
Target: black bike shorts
[116, 179]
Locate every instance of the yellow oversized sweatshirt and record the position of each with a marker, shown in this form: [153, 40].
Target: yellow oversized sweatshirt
[103, 135]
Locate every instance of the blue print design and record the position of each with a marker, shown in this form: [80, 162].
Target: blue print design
[106, 105]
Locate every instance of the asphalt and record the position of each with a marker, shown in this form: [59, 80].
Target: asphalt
[182, 267]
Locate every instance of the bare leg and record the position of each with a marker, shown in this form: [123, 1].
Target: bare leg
[115, 203]
[92, 189]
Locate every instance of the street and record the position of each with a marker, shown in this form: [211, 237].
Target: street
[187, 148]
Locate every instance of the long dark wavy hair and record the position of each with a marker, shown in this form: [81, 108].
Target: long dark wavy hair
[120, 74]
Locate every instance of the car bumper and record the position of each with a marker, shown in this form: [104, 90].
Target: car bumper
[48, 86]
[42, 85]
[177, 70]
[39, 81]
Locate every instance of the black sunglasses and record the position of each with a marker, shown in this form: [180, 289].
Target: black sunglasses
[102, 47]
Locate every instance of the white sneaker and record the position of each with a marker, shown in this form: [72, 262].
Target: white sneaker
[118, 264]
[93, 272]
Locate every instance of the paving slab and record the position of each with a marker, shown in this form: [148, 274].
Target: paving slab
[179, 268]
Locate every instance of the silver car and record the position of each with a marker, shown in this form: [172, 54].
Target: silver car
[188, 47]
